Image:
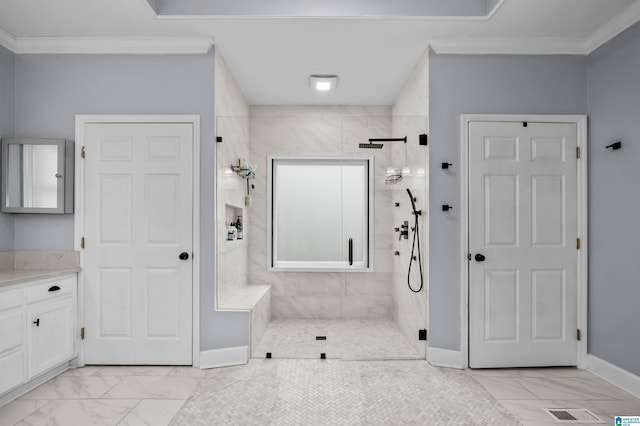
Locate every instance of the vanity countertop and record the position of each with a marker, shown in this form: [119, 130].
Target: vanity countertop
[19, 267]
[16, 276]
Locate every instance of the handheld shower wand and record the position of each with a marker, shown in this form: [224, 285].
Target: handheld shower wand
[416, 237]
[413, 203]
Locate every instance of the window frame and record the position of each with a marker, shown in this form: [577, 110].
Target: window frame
[274, 264]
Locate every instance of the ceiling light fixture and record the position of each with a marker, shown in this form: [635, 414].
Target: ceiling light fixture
[323, 83]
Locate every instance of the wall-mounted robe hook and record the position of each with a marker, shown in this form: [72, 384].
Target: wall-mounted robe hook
[446, 207]
[615, 145]
[446, 165]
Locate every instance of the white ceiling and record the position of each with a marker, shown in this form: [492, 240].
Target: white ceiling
[272, 58]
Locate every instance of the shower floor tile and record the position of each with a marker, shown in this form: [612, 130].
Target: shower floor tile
[345, 339]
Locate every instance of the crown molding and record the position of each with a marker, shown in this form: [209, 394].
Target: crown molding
[614, 27]
[7, 40]
[539, 45]
[114, 45]
[509, 46]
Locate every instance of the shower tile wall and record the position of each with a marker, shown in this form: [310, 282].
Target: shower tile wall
[232, 124]
[410, 117]
[319, 130]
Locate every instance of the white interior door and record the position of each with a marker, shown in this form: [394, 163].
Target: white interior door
[522, 241]
[138, 219]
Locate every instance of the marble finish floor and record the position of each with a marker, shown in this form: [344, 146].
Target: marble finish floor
[353, 340]
[315, 392]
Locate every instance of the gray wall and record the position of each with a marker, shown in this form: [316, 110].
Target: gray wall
[7, 105]
[52, 89]
[614, 201]
[480, 85]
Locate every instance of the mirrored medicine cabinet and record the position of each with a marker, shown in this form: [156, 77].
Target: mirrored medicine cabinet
[37, 176]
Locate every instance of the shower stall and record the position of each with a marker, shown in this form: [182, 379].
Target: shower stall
[335, 247]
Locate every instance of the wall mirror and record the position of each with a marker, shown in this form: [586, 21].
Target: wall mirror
[320, 213]
[37, 176]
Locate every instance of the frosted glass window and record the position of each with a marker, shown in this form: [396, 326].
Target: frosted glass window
[320, 213]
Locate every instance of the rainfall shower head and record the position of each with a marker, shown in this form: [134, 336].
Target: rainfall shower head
[371, 145]
[374, 145]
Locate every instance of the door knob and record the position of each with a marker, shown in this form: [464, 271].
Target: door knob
[184, 255]
[479, 257]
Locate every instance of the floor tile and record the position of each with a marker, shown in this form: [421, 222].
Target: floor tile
[135, 370]
[154, 387]
[335, 392]
[80, 412]
[346, 339]
[572, 388]
[18, 410]
[504, 388]
[63, 387]
[153, 412]
[629, 407]
[532, 411]
[81, 371]
[189, 372]
[506, 372]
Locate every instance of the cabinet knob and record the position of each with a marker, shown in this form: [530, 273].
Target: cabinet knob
[37, 322]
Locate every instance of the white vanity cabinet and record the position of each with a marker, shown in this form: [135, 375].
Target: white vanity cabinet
[13, 369]
[37, 328]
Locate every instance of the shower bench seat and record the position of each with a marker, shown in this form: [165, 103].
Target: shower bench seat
[242, 298]
[253, 298]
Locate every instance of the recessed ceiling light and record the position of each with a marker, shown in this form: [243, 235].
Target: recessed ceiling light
[323, 83]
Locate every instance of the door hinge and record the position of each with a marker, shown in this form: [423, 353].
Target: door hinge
[577, 152]
[83, 152]
[82, 333]
[82, 242]
[578, 244]
[578, 335]
[219, 139]
[469, 257]
[422, 334]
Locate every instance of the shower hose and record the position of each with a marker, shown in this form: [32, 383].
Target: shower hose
[416, 239]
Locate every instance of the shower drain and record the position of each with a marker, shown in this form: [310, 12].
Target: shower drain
[573, 415]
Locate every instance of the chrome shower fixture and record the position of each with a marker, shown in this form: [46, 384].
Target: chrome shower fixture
[378, 143]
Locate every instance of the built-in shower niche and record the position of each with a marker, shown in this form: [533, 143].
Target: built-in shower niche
[234, 216]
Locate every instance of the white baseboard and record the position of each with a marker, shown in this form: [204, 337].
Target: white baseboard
[32, 384]
[445, 358]
[225, 357]
[621, 378]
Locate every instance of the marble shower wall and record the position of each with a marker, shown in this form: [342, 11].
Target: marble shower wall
[232, 124]
[322, 130]
[410, 117]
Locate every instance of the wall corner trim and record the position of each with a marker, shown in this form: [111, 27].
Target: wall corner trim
[7, 40]
[445, 358]
[226, 357]
[623, 379]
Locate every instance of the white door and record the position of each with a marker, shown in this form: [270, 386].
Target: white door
[522, 241]
[138, 221]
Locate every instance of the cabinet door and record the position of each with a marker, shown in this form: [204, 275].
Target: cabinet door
[12, 368]
[50, 335]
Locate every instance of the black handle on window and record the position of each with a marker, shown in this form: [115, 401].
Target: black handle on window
[54, 288]
[350, 251]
